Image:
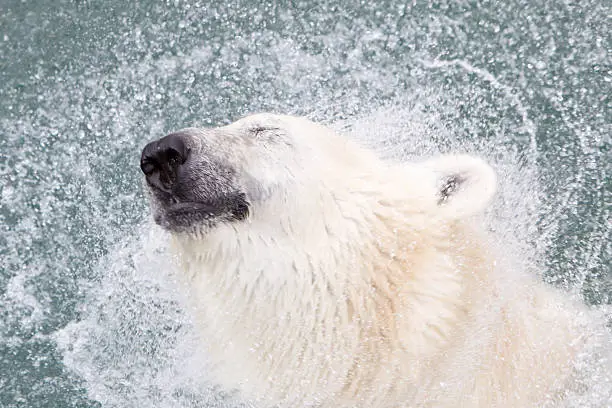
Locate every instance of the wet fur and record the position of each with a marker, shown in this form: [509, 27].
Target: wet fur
[359, 283]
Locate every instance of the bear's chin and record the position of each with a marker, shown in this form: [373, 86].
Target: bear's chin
[185, 217]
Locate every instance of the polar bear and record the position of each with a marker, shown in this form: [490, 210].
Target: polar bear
[323, 276]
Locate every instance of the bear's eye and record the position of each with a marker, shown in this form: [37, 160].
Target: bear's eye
[260, 130]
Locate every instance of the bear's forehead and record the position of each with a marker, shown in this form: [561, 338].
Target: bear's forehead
[258, 119]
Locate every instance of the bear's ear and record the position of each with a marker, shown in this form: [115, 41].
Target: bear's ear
[464, 185]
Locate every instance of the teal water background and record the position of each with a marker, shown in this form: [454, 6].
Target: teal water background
[85, 320]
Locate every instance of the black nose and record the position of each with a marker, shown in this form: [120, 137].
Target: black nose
[162, 159]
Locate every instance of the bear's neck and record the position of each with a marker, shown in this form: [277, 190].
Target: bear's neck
[370, 285]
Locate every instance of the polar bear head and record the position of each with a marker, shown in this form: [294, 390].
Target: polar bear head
[284, 226]
[286, 171]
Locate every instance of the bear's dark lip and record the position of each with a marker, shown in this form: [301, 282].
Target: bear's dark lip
[186, 207]
[176, 215]
[183, 215]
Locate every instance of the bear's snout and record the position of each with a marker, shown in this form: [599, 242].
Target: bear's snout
[161, 160]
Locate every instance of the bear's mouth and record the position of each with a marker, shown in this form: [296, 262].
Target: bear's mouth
[177, 215]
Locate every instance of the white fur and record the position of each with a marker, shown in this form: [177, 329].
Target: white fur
[351, 285]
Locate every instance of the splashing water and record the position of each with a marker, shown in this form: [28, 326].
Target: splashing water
[91, 315]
